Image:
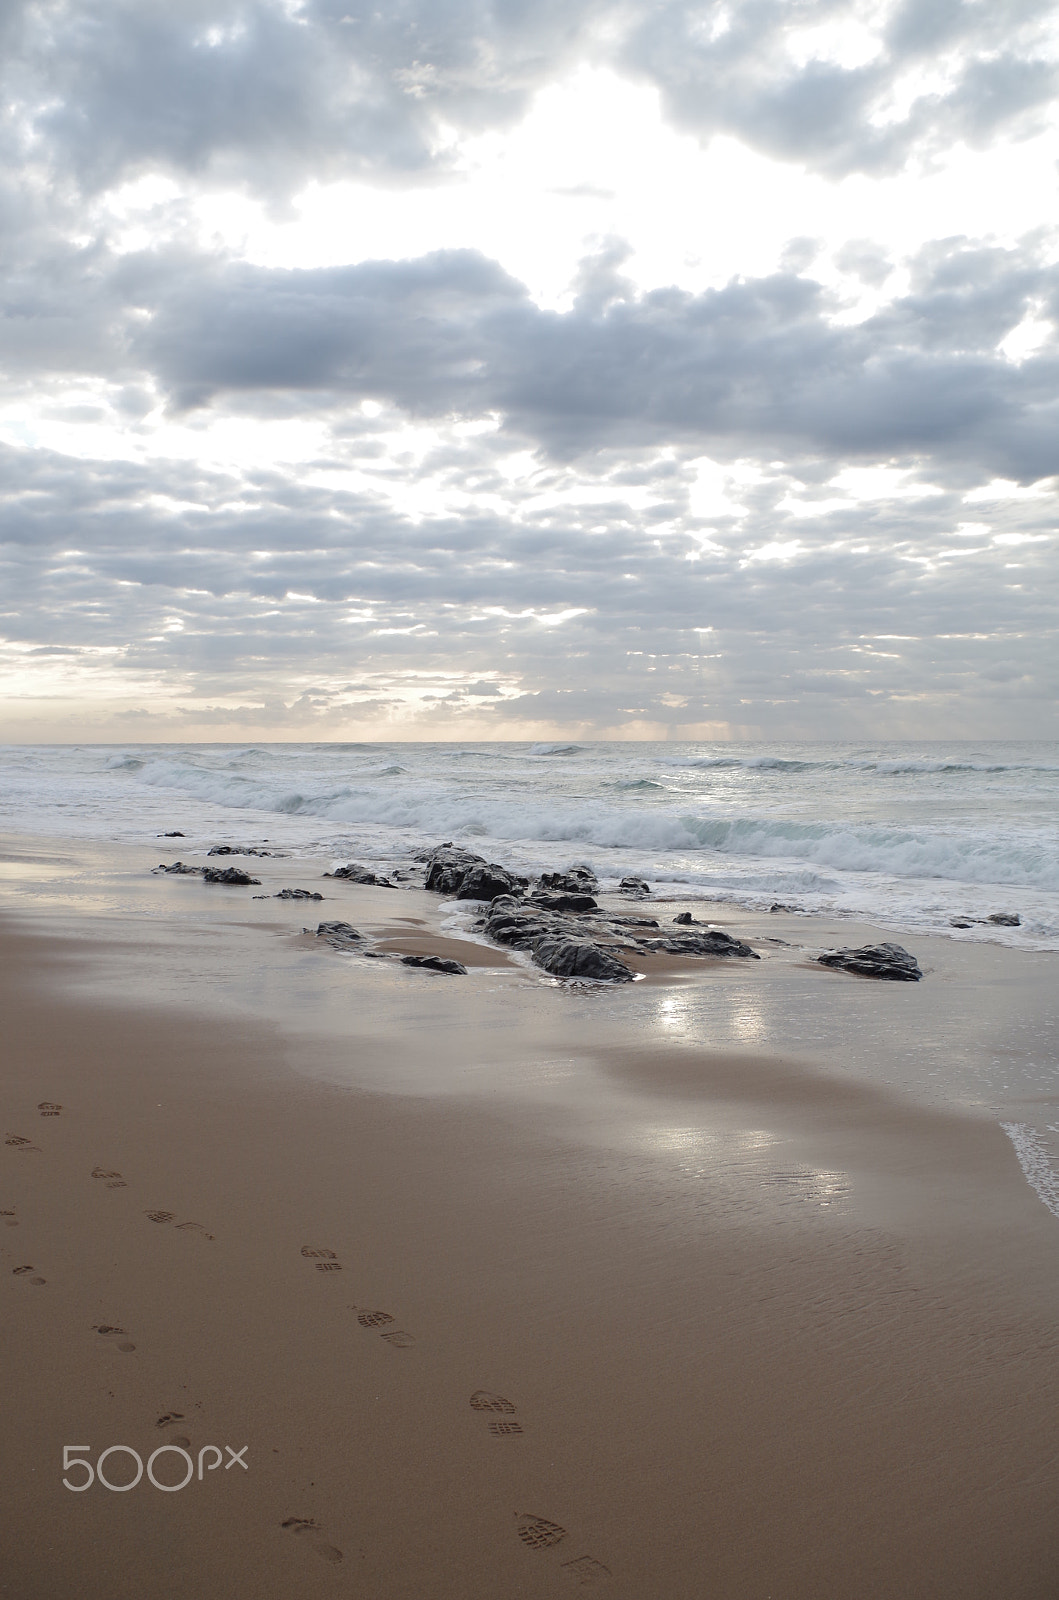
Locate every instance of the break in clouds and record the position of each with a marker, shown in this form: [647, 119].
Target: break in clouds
[404, 492]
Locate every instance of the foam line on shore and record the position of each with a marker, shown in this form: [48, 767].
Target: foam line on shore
[1033, 1159]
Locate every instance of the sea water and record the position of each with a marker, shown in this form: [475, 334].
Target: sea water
[910, 836]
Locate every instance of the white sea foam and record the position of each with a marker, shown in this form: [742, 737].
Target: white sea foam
[1033, 1159]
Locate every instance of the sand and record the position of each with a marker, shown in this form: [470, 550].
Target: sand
[752, 1304]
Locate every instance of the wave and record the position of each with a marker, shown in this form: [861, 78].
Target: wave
[435, 810]
[556, 749]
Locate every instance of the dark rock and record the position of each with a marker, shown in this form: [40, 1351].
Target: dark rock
[781, 905]
[711, 943]
[435, 964]
[1005, 919]
[176, 834]
[634, 886]
[238, 850]
[339, 934]
[177, 866]
[960, 922]
[685, 917]
[295, 894]
[575, 880]
[357, 874]
[569, 958]
[448, 865]
[564, 902]
[631, 922]
[486, 882]
[228, 875]
[876, 961]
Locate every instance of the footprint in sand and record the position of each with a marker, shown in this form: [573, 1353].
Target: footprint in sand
[107, 1330]
[585, 1571]
[10, 1219]
[113, 1180]
[537, 1532]
[503, 1428]
[309, 1529]
[173, 1419]
[323, 1260]
[23, 1272]
[374, 1319]
[381, 1319]
[49, 1108]
[160, 1216]
[483, 1400]
[17, 1142]
[182, 1227]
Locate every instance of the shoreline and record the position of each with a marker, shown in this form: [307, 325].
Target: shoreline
[772, 1319]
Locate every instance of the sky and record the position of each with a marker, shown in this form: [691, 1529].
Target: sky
[508, 369]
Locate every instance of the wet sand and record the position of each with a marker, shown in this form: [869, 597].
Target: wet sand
[743, 1322]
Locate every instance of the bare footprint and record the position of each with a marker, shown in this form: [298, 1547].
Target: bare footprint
[22, 1272]
[17, 1142]
[107, 1331]
[113, 1180]
[585, 1571]
[482, 1400]
[308, 1528]
[10, 1219]
[324, 1260]
[173, 1419]
[537, 1532]
[49, 1108]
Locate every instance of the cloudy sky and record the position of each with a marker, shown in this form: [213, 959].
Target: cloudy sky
[517, 368]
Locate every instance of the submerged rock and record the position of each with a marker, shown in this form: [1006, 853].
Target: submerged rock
[178, 866]
[176, 834]
[639, 887]
[435, 964]
[876, 961]
[357, 874]
[234, 875]
[486, 881]
[341, 935]
[238, 850]
[568, 958]
[711, 943]
[1005, 919]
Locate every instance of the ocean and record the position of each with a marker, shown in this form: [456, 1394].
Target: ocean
[910, 836]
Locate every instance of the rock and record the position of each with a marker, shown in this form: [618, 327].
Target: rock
[238, 850]
[435, 964]
[711, 943]
[448, 865]
[631, 922]
[339, 934]
[177, 866]
[357, 874]
[487, 881]
[564, 902]
[1005, 919]
[294, 894]
[234, 875]
[685, 917]
[781, 905]
[876, 961]
[568, 958]
[575, 880]
[176, 834]
[960, 922]
[634, 886]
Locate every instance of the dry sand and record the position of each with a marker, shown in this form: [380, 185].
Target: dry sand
[755, 1324]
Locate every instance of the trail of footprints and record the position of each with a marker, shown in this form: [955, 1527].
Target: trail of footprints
[535, 1532]
[114, 1180]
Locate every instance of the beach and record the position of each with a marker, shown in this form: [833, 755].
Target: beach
[729, 1281]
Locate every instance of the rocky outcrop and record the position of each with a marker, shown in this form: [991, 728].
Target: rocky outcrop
[435, 964]
[639, 888]
[357, 874]
[486, 881]
[875, 961]
[234, 875]
[564, 902]
[569, 958]
[340, 935]
[448, 865]
[575, 880]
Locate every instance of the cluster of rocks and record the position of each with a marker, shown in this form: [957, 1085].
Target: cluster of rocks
[875, 961]
[291, 894]
[210, 874]
[239, 850]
